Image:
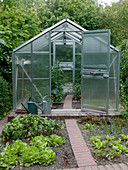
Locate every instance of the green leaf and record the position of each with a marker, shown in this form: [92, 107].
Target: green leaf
[2, 42]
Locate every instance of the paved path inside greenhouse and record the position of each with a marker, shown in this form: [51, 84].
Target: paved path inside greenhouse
[68, 102]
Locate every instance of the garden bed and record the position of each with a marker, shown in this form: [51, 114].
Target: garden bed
[64, 156]
[61, 152]
[114, 150]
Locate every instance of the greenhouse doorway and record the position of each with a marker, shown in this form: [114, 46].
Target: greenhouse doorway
[64, 53]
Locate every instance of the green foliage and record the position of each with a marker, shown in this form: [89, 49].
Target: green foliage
[43, 142]
[57, 83]
[56, 140]
[77, 91]
[39, 151]
[115, 18]
[25, 154]
[124, 113]
[40, 142]
[109, 146]
[124, 72]
[29, 126]
[124, 137]
[5, 97]
[84, 13]
[99, 144]
[88, 126]
[95, 138]
[110, 138]
[17, 25]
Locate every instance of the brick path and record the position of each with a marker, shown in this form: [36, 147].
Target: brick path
[82, 154]
[68, 102]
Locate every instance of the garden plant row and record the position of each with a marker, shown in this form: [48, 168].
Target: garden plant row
[40, 136]
[107, 138]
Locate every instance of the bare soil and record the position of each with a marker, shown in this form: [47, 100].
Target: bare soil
[64, 156]
[101, 130]
[57, 105]
[76, 104]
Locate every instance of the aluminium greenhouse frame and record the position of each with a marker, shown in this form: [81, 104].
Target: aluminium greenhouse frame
[32, 63]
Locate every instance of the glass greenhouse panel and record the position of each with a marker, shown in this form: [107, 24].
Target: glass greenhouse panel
[66, 27]
[113, 88]
[41, 73]
[40, 65]
[22, 78]
[64, 53]
[25, 49]
[32, 71]
[68, 77]
[95, 92]
[41, 44]
[95, 70]
[43, 87]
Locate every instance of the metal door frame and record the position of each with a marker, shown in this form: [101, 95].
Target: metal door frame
[108, 68]
[68, 42]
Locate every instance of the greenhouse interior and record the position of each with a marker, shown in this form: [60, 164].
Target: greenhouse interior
[82, 54]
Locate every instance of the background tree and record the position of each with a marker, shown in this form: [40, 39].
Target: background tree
[84, 13]
[115, 17]
[18, 25]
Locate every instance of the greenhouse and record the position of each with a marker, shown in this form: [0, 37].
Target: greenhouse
[82, 54]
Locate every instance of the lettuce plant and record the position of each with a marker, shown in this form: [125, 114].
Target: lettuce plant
[88, 126]
[27, 155]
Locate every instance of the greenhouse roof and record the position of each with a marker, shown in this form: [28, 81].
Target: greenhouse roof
[71, 29]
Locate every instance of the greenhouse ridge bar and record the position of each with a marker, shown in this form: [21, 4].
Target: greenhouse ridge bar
[81, 53]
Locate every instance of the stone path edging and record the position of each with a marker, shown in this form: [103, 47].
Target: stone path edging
[82, 154]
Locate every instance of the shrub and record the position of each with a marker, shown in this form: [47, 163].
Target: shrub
[124, 72]
[5, 97]
[77, 91]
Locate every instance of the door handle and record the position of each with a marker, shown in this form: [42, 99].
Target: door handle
[106, 76]
[96, 73]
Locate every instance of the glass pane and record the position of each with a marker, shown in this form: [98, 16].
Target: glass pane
[40, 65]
[64, 53]
[23, 77]
[41, 44]
[96, 51]
[113, 80]
[43, 86]
[26, 48]
[68, 77]
[94, 92]
[66, 26]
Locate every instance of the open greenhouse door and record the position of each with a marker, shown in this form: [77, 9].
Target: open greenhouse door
[95, 71]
